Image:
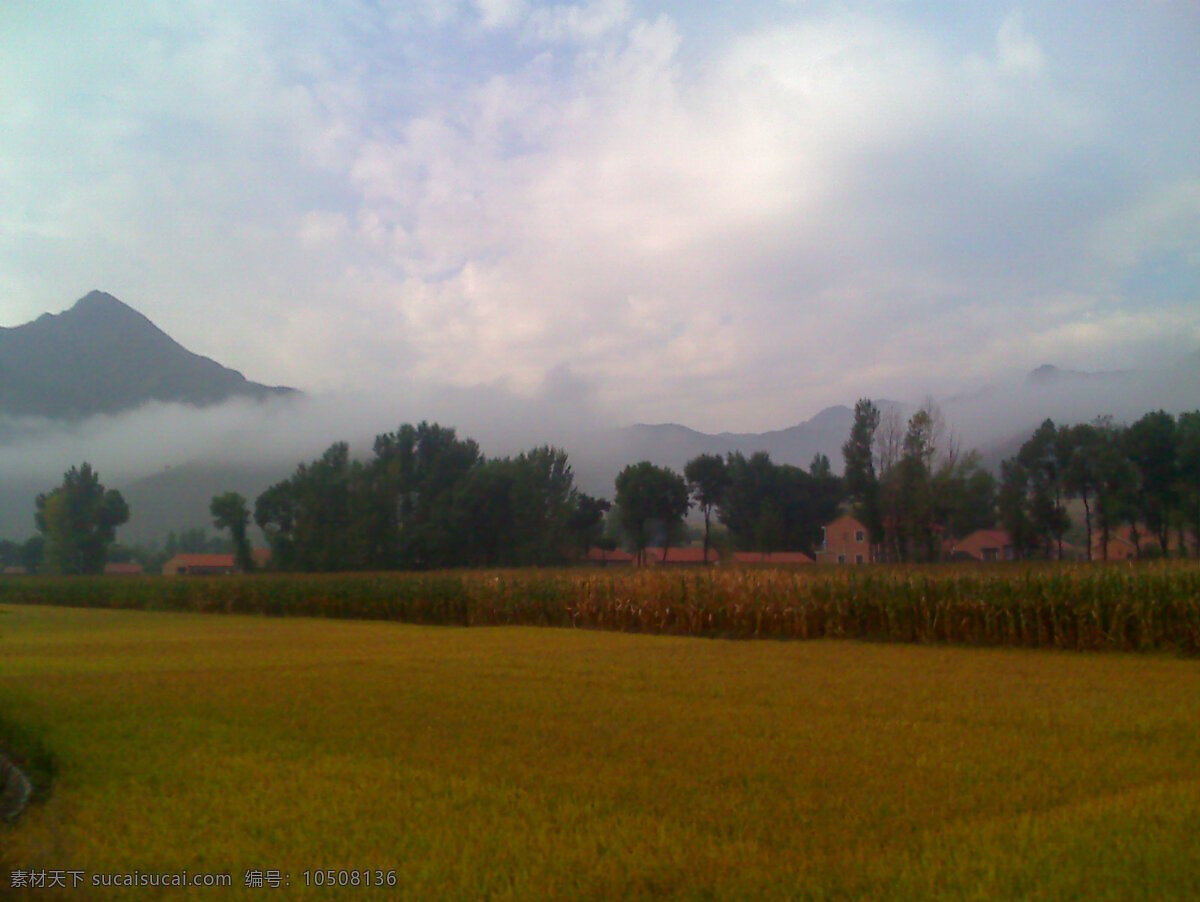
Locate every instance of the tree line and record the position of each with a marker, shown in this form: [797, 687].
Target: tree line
[1145, 476]
[426, 498]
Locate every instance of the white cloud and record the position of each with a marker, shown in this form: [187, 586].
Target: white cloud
[499, 13]
[1164, 221]
[582, 22]
[730, 231]
[1018, 52]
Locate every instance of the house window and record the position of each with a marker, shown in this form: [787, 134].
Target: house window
[841, 558]
[858, 558]
[859, 535]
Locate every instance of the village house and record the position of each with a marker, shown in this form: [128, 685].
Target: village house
[680, 557]
[844, 541]
[211, 564]
[603, 557]
[983, 545]
[773, 558]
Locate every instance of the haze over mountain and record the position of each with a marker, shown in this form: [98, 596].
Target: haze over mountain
[103, 357]
[172, 429]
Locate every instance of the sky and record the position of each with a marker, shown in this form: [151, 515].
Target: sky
[723, 215]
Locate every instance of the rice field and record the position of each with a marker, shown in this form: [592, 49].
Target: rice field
[527, 763]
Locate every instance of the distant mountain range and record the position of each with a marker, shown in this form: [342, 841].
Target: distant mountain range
[103, 357]
[669, 444]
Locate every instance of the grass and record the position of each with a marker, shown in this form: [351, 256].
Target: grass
[526, 763]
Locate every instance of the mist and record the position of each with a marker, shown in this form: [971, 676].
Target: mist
[252, 440]
[152, 452]
[1001, 413]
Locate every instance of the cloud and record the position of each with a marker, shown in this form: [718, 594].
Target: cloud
[1018, 52]
[727, 219]
[581, 22]
[499, 13]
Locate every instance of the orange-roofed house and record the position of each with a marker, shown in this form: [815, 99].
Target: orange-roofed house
[680, 557]
[846, 541]
[131, 569]
[603, 557]
[773, 558]
[211, 564]
[199, 565]
[984, 545]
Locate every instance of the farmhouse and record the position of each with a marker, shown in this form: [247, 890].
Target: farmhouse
[845, 541]
[210, 564]
[603, 557]
[983, 545]
[680, 557]
[773, 558]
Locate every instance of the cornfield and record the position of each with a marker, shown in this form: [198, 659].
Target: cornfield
[1082, 607]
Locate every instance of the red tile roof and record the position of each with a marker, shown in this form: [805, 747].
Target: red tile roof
[129, 569]
[772, 557]
[991, 539]
[603, 556]
[680, 555]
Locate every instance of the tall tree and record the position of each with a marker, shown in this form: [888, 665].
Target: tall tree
[1116, 480]
[912, 519]
[1150, 446]
[1188, 436]
[861, 479]
[229, 511]
[1043, 457]
[1082, 475]
[772, 507]
[708, 480]
[586, 522]
[309, 518]
[420, 467]
[645, 494]
[1012, 503]
[79, 520]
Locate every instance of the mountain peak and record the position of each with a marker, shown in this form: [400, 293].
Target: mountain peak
[97, 298]
[1044, 373]
[100, 305]
[102, 356]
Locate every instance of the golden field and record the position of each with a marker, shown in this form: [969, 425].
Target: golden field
[529, 763]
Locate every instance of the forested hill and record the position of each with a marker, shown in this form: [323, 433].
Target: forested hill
[103, 357]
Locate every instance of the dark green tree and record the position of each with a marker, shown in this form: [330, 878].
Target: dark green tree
[1044, 457]
[79, 520]
[861, 478]
[586, 522]
[1188, 490]
[708, 481]
[1012, 502]
[1150, 444]
[229, 511]
[1082, 474]
[647, 494]
[309, 520]
[775, 507]
[418, 470]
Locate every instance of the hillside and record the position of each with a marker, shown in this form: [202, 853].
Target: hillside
[103, 357]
